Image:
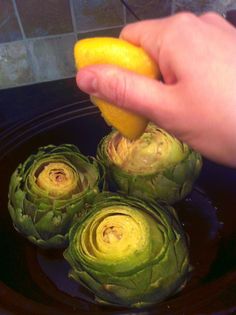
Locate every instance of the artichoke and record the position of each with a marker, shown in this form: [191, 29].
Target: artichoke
[128, 252]
[50, 191]
[157, 165]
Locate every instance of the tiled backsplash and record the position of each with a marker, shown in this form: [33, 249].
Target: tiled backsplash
[37, 36]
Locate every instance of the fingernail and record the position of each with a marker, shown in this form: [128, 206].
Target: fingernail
[87, 81]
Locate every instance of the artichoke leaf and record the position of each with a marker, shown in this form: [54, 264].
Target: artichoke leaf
[24, 220]
[55, 242]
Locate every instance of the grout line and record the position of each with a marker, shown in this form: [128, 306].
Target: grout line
[51, 36]
[25, 42]
[100, 29]
[36, 82]
[18, 19]
[61, 35]
[173, 7]
[72, 12]
[124, 14]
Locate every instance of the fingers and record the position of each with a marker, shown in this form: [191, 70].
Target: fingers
[128, 90]
[145, 34]
[216, 20]
[153, 34]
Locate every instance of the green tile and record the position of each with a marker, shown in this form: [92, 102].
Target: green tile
[148, 9]
[15, 68]
[201, 6]
[52, 57]
[95, 14]
[111, 32]
[47, 17]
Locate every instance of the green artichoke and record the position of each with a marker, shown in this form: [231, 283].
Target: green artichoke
[128, 252]
[50, 191]
[156, 165]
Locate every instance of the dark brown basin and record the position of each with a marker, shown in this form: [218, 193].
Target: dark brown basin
[33, 281]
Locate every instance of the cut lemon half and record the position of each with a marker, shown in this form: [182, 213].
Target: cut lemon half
[114, 51]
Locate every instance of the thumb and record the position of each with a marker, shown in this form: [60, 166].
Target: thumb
[147, 97]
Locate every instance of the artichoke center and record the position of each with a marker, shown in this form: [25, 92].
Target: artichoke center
[115, 233]
[112, 234]
[58, 176]
[153, 151]
[57, 179]
[139, 156]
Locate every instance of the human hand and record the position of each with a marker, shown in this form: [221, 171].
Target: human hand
[197, 101]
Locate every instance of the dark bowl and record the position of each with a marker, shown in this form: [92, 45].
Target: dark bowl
[34, 281]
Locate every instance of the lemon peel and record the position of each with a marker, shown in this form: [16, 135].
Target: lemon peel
[115, 51]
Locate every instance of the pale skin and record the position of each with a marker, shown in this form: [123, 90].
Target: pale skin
[197, 99]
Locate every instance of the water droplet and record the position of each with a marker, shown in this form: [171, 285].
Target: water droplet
[221, 224]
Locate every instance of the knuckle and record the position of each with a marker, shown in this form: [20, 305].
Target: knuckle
[185, 18]
[210, 16]
[184, 22]
[118, 89]
[182, 26]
